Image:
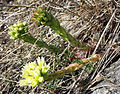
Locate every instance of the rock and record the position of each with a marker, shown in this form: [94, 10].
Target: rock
[112, 84]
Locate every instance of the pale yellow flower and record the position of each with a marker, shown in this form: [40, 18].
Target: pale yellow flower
[33, 73]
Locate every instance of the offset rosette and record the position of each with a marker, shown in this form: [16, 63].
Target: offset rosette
[33, 73]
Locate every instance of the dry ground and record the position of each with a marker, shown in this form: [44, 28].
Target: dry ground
[95, 22]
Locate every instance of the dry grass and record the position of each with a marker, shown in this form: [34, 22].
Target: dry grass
[95, 22]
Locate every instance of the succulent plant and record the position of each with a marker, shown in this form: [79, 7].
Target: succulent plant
[35, 73]
[20, 31]
[42, 17]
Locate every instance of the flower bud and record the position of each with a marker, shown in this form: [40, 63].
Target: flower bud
[17, 30]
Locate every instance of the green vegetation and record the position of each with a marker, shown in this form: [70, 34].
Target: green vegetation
[35, 73]
[20, 31]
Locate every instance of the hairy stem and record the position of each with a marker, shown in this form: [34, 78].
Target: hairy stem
[70, 68]
[42, 17]
[28, 38]
[69, 38]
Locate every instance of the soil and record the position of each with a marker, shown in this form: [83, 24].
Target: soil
[94, 22]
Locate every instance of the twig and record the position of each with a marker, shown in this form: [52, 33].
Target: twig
[17, 6]
[75, 14]
[104, 32]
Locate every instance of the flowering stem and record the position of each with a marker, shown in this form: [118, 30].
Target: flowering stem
[20, 31]
[35, 72]
[67, 37]
[42, 17]
[30, 39]
[71, 68]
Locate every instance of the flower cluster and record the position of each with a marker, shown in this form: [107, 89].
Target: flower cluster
[40, 16]
[33, 73]
[17, 30]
